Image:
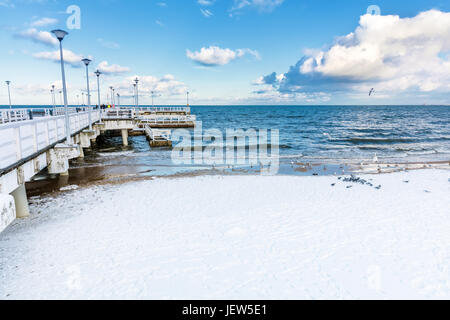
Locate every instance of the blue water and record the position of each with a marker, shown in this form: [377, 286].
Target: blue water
[393, 133]
[406, 133]
[314, 140]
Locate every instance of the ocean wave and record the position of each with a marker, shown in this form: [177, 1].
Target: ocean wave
[357, 141]
[114, 154]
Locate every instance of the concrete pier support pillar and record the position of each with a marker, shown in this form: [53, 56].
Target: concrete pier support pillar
[125, 137]
[81, 153]
[21, 201]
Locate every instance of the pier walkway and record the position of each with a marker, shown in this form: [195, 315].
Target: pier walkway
[32, 140]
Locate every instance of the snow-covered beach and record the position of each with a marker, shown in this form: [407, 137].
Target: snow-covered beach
[235, 237]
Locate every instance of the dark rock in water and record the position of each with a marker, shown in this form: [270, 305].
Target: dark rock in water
[333, 184]
[406, 181]
[315, 174]
[339, 178]
[348, 187]
[378, 188]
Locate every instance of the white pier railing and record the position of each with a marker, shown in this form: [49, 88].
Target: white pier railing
[185, 110]
[169, 119]
[23, 114]
[20, 140]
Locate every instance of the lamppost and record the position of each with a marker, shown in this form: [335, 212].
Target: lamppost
[82, 98]
[61, 98]
[53, 99]
[60, 34]
[112, 96]
[187, 98]
[152, 99]
[134, 93]
[118, 100]
[78, 99]
[137, 92]
[9, 94]
[86, 62]
[98, 73]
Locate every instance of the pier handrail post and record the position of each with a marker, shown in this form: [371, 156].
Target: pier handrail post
[137, 92]
[60, 34]
[86, 62]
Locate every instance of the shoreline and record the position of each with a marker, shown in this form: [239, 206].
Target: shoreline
[84, 177]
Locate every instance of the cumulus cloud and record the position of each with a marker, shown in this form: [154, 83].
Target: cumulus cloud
[113, 69]
[216, 56]
[43, 22]
[388, 52]
[166, 86]
[69, 57]
[34, 35]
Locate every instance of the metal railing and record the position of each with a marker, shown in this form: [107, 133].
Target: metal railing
[23, 114]
[170, 119]
[19, 140]
[157, 134]
[186, 110]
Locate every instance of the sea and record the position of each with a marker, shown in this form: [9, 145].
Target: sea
[332, 135]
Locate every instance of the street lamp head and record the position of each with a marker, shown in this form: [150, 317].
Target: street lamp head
[8, 82]
[53, 86]
[136, 80]
[60, 34]
[86, 61]
[97, 73]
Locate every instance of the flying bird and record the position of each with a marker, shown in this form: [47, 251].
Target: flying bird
[371, 91]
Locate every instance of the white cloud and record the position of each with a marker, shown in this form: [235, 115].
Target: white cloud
[43, 37]
[215, 56]
[7, 4]
[206, 13]
[108, 44]
[166, 86]
[205, 2]
[69, 57]
[113, 69]
[43, 22]
[261, 5]
[387, 52]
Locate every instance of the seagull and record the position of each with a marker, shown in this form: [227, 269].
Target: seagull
[371, 91]
[375, 158]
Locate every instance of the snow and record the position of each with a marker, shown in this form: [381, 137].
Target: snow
[236, 237]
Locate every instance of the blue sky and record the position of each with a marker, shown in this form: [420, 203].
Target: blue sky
[233, 51]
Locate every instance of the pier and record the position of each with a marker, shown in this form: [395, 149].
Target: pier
[32, 140]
